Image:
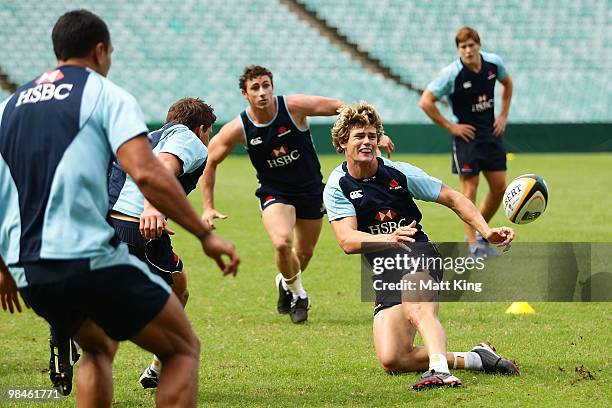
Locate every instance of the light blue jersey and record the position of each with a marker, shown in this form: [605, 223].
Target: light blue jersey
[58, 135]
[175, 139]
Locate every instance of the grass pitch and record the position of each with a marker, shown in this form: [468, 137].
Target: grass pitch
[251, 356]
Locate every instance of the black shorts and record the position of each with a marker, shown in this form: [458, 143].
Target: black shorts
[120, 298]
[157, 254]
[308, 206]
[423, 250]
[476, 156]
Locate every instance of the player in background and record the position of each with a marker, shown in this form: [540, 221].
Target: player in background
[274, 130]
[181, 147]
[368, 195]
[58, 133]
[477, 136]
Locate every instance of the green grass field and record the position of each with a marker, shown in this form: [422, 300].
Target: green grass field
[251, 356]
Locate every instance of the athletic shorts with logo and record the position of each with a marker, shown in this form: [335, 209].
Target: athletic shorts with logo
[116, 291]
[157, 254]
[422, 250]
[308, 206]
[478, 155]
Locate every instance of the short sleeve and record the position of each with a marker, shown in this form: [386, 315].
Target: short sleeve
[443, 84]
[184, 144]
[337, 205]
[122, 118]
[502, 73]
[421, 185]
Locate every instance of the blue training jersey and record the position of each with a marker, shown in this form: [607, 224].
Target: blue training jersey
[173, 138]
[58, 134]
[381, 203]
[471, 94]
[283, 154]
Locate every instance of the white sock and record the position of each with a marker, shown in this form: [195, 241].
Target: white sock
[296, 287]
[457, 354]
[473, 361]
[437, 362]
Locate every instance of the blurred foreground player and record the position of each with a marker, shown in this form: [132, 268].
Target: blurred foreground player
[57, 136]
[367, 195]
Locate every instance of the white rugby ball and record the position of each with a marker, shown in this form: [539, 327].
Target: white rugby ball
[525, 198]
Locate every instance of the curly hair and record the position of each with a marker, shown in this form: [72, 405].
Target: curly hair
[354, 116]
[191, 112]
[252, 72]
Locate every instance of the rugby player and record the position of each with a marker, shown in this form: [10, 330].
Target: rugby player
[367, 195]
[477, 136]
[58, 133]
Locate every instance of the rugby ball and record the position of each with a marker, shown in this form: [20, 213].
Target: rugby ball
[525, 198]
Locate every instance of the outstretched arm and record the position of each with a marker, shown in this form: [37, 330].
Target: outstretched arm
[219, 147]
[301, 106]
[467, 211]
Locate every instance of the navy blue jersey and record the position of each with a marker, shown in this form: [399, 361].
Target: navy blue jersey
[124, 195]
[57, 136]
[282, 153]
[384, 202]
[471, 94]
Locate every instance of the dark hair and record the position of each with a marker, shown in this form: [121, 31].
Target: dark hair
[466, 33]
[191, 112]
[252, 72]
[77, 32]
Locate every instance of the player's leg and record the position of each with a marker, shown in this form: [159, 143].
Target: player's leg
[493, 198]
[170, 337]
[468, 184]
[279, 222]
[94, 376]
[306, 236]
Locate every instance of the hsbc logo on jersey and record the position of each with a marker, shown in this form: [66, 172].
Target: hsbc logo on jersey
[282, 157]
[388, 223]
[483, 103]
[45, 89]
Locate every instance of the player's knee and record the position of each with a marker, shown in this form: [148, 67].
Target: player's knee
[415, 313]
[498, 189]
[282, 244]
[304, 256]
[391, 363]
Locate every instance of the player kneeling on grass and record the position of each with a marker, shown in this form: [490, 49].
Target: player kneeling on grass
[356, 192]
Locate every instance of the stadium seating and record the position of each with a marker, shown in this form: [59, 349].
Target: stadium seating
[164, 51]
[559, 53]
[559, 58]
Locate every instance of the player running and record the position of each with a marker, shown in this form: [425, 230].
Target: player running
[58, 133]
[366, 195]
[477, 141]
[275, 133]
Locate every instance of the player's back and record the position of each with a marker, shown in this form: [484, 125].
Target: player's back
[57, 135]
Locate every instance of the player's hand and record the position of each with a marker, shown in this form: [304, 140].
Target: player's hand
[153, 223]
[386, 143]
[501, 236]
[499, 127]
[216, 247]
[465, 132]
[403, 234]
[9, 294]
[210, 215]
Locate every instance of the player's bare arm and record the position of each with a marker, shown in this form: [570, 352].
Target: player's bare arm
[350, 238]
[499, 126]
[467, 211]
[219, 148]
[428, 104]
[152, 221]
[301, 106]
[8, 290]
[163, 190]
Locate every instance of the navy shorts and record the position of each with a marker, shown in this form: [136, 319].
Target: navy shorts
[308, 206]
[157, 254]
[120, 298]
[476, 156]
[423, 250]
